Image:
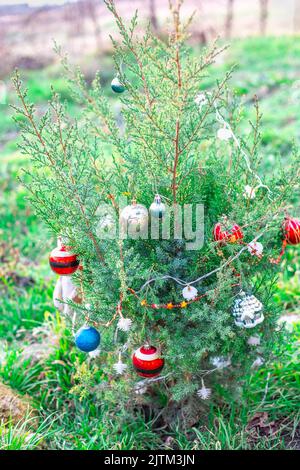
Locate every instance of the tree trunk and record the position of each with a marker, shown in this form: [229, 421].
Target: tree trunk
[229, 19]
[263, 16]
[91, 9]
[152, 14]
[296, 16]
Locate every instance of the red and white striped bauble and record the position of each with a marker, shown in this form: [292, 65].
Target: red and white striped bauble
[62, 261]
[291, 230]
[147, 361]
[224, 234]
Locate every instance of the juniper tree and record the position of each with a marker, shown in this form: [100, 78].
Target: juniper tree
[175, 139]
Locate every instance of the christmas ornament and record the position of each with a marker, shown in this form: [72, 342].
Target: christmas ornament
[257, 363]
[204, 393]
[253, 341]
[134, 218]
[290, 234]
[189, 293]
[87, 338]
[157, 208]
[65, 291]
[117, 86]
[255, 248]
[291, 230]
[247, 311]
[119, 366]
[224, 233]
[124, 324]
[106, 226]
[201, 100]
[220, 362]
[62, 261]
[95, 353]
[147, 361]
[224, 134]
[249, 192]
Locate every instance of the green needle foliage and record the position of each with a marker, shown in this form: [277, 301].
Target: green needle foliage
[152, 139]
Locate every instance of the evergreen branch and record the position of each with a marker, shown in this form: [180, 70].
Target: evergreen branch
[204, 276]
[111, 6]
[28, 112]
[29, 115]
[81, 206]
[209, 108]
[176, 16]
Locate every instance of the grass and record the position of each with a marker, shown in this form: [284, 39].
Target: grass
[21, 436]
[36, 352]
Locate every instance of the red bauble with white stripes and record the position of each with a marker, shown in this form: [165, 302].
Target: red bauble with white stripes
[147, 361]
[291, 230]
[227, 233]
[62, 261]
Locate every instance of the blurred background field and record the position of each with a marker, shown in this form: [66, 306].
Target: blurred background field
[36, 356]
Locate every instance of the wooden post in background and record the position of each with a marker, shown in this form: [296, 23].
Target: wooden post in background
[152, 14]
[263, 17]
[229, 19]
[296, 19]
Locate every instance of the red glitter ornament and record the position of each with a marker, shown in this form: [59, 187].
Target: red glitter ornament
[147, 361]
[224, 234]
[291, 230]
[62, 261]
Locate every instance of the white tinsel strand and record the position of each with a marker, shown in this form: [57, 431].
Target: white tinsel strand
[74, 323]
[224, 134]
[227, 133]
[141, 386]
[140, 389]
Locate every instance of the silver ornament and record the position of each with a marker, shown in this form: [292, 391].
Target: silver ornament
[189, 293]
[247, 311]
[157, 208]
[106, 227]
[134, 219]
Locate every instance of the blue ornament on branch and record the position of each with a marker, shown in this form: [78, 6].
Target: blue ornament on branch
[87, 339]
[117, 86]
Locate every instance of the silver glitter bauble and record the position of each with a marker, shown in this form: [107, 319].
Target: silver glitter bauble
[247, 311]
[134, 219]
[106, 227]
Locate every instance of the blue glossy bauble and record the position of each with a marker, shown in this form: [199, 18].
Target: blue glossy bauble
[117, 86]
[87, 339]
